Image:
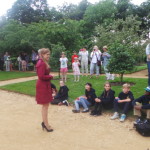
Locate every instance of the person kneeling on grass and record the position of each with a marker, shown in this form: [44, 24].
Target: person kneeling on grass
[85, 101]
[62, 95]
[124, 102]
[142, 106]
[105, 100]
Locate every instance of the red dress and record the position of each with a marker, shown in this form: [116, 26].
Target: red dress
[43, 88]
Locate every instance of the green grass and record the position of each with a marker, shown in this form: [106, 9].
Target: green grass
[138, 68]
[14, 75]
[77, 89]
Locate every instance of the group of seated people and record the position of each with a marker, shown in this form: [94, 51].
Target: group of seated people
[107, 100]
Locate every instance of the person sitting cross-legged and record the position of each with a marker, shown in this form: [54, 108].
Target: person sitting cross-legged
[142, 107]
[85, 101]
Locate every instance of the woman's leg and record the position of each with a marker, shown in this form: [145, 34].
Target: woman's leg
[92, 66]
[82, 67]
[65, 76]
[97, 70]
[77, 104]
[85, 103]
[86, 67]
[62, 76]
[45, 115]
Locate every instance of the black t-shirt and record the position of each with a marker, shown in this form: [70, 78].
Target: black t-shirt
[123, 96]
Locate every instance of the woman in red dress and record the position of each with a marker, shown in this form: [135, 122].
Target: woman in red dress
[43, 87]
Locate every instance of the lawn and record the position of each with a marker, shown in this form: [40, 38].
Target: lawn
[138, 68]
[77, 89]
[14, 75]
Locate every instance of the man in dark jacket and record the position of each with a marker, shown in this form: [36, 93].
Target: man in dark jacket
[142, 105]
[62, 95]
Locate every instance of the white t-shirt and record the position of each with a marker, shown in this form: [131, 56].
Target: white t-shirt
[95, 55]
[84, 56]
[63, 62]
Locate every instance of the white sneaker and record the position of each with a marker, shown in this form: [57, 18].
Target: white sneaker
[115, 116]
[122, 118]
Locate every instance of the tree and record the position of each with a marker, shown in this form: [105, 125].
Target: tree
[102, 12]
[126, 32]
[121, 60]
[27, 11]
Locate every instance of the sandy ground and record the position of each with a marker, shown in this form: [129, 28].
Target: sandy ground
[140, 74]
[20, 128]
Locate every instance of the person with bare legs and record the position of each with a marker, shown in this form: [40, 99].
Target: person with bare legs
[43, 86]
[63, 67]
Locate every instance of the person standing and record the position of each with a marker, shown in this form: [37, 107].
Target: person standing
[106, 58]
[34, 59]
[24, 64]
[148, 61]
[76, 69]
[27, 58]
[63, 67]
[84, 60]
[19, 63]
[43, 86]
[74, 56]
[95, 61]
[7, 61]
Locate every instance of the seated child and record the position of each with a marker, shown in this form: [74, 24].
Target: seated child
[124, 102]
[141, 106]
[85, 101]
[62, 95]
[105, 100]
[54, 90]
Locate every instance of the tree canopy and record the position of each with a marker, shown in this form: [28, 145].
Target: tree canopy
[32, 24]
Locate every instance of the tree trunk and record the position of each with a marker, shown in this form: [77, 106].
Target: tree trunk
[121, 77]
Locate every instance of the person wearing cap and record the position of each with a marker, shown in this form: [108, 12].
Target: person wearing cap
[141, 106]
[83, 55]
[148, 61]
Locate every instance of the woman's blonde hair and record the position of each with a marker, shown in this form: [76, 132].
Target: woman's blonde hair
[43, 51]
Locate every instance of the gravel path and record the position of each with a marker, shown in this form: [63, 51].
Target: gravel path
[20, 128]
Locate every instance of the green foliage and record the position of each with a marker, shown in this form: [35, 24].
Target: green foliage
[27, 11]
[32, 24]
[121, 60]
[55, 55]
[124, 32]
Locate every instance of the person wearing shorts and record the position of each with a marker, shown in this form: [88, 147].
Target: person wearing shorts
[63, 67]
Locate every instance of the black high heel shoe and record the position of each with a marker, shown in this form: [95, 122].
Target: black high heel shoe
[45, 128]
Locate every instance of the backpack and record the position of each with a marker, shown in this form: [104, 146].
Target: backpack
[143, 129]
